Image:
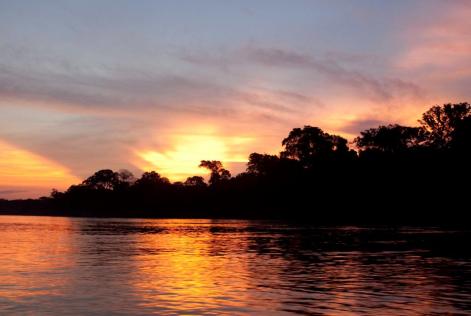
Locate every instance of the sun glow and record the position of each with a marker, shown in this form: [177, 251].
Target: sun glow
[181, 160]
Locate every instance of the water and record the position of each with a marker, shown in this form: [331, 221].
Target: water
[83, 266]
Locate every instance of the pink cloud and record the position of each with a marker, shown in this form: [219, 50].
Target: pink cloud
[441, 47]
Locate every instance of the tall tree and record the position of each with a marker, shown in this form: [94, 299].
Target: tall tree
[262, 164]
[218, 173]
[441, 121]
[151, 179]
[311, 144]
[195, 181]
[105, 179]
[390, 139]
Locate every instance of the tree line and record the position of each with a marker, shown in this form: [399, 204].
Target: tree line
[390, 173]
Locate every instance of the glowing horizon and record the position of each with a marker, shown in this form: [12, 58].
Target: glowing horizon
[182, 157]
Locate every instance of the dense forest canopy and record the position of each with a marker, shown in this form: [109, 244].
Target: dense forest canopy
[407, 170]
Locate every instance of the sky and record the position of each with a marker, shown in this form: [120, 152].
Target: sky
[160, 85]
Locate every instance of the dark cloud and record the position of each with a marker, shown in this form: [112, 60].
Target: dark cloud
[11, 191]
[353, 58]
[278, 57]
[355, 127]
[16, 192]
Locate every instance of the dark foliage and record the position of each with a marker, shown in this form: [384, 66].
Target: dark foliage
[392, 139]
[311, 145]
[441, 121]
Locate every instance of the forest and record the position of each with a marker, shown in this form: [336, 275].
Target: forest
[388, 174]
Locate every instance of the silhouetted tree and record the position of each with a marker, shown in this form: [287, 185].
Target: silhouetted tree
[218, 173]
[441, 121]
[56, 194]
[461, 137]
[390, 139]
[126, 176]
[195, 181]
[150, 179]
[105, 179]
[262, 164]
[311, 144]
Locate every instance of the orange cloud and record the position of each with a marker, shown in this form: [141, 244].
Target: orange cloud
[20, 168]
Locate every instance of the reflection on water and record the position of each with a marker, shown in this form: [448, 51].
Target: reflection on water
[88, 266]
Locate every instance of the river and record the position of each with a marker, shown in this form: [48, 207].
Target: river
[87, 266]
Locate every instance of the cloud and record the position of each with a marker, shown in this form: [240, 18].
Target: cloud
[9, 192]
[279, 58]
[23, 192]
[19, 167]
[82, 143]
[379, 89]
[440, 47]
[112, 91]
[356, 126]
[89, 91]
[341, 69]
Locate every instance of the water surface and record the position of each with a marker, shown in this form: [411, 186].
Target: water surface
[84, 266]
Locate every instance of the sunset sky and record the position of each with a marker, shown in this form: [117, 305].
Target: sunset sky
[161, 85]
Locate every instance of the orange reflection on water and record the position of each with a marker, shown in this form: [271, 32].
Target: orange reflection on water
[189, 271]
[37, 254]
